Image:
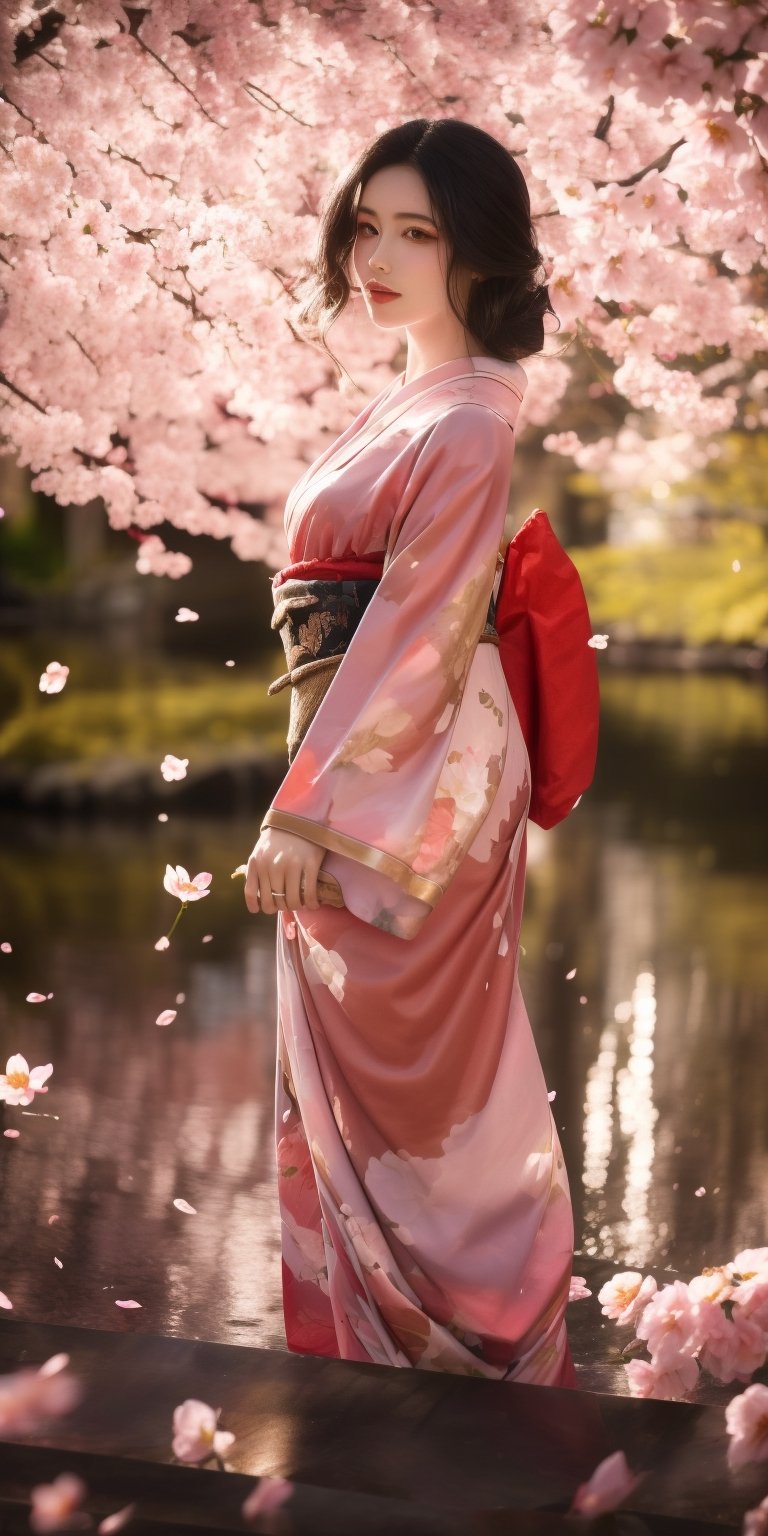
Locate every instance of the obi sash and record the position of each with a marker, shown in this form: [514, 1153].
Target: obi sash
[539, 621]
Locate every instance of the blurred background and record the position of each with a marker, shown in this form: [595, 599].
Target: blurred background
[645, 964]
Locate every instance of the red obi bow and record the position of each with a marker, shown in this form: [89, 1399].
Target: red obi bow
[543, 625]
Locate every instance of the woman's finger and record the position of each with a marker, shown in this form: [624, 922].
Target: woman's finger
[292, 887]
[269, 882]
[251, 890]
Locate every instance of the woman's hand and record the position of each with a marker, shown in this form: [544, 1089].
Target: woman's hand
[284, 863]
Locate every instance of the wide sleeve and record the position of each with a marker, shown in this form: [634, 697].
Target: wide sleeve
[378, 780]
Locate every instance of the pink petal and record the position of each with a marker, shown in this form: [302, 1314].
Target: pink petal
[115, 1522]
[569, 975]
[36, 997]
[229, 663]
[700, 1191]
[202, 880]
[183, 1205]
[6, 949]
[127, 1304]
[11, 1134]
[206, 939]
[58, 1262]
[163, 943]
[166, 1017]
[269, 1494]
[4, 1302]
[180, 996]
[54, 1365]
[163, 816]
[52, 1219]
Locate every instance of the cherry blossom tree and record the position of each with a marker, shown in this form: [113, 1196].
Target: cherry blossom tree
[162, 172]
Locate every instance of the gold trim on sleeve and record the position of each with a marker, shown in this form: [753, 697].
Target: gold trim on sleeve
[362, 853]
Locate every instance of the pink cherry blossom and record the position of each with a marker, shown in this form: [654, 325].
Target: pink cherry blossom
[29, 1397]
[625, 1296]
[610, 1483]
[54, 1504]
[746, 1419]
[731, 1350]
[18, 1085]
[54, 677]
[117, 1521]
[578, 1289]
[163, 943]
[174, 767]
[669, 1324]
[195, 1435]
[178, 883]
[269, 1494]
[647, 1379]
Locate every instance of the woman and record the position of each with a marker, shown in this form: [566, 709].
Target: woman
[426, 1211]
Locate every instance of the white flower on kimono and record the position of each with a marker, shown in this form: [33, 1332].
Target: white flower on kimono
[375, 761]
[330, 968]
[465, 779]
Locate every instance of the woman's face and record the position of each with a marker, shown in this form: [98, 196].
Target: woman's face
[398, 245]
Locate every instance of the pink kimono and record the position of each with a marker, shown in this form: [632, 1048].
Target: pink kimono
[426, 1212]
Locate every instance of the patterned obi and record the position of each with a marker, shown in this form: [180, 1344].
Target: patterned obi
[318, 607]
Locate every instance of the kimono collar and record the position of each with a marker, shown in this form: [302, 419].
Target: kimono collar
[507, 384]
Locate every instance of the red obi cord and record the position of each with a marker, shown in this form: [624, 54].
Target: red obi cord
[332, 570]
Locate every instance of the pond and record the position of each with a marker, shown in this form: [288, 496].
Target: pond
[645, 972]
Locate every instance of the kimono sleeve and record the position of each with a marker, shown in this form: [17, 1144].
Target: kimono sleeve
[375, 780]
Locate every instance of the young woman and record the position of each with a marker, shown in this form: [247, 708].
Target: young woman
[427, 1219]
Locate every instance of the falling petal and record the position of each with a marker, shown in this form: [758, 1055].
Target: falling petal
[186, 616]
[4, 1302]
[552, 1095]
[163, 943]
[206, 939]
[163, 816]
[598, 642]
[569, 975]
[36, 997]
[6, 948]
[11, 1134]
[736, 565]
[229, 663]
[115, 1522]
[166, 1017]
[54, 1365]
[183, 1205]
[700, 1191]
[127, 1304]
[50, 995]
[583, 999]
[52, 1219]
[58, 1262]
[180, 996]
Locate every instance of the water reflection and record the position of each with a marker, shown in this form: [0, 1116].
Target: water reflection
[653, 894]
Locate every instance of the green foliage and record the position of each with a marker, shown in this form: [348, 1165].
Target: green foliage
[681, 592]
[135, 710]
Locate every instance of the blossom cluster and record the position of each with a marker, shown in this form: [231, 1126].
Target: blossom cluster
[718, 1321]
[162, 178]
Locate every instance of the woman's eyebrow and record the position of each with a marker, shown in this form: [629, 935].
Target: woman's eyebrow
[424, 216]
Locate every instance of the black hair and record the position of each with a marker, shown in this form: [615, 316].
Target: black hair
[480, 203]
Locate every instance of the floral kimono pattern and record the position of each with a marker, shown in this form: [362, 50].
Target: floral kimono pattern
[425, 1205]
